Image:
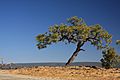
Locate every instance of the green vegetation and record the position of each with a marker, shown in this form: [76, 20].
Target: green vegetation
[118, 42]
[76, 31]
[110, 58]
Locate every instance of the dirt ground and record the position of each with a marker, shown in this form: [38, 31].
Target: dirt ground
[69, 73]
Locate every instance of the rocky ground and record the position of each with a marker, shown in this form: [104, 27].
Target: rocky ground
[69, 73]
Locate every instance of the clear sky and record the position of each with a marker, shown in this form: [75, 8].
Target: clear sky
[22, 20]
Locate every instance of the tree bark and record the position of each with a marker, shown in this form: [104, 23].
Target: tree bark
[79, 45]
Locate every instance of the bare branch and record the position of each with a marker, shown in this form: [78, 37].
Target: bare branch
[82, 49]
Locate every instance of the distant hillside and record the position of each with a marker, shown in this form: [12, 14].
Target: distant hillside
[87, 64]
[19, 65]
[58, 64]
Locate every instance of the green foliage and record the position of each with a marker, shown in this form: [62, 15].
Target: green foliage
[74, 32]
[118, 42]
[110, 58]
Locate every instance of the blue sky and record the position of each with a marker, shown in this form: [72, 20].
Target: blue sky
[22, 20]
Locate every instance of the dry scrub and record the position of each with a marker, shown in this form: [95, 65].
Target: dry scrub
[70, 73]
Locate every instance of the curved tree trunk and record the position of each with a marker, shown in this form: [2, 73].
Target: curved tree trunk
[72, 57]
[79, 45]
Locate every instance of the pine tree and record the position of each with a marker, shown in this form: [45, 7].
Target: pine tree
[76, 31]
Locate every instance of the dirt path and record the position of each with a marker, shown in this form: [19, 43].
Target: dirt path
[21, 77]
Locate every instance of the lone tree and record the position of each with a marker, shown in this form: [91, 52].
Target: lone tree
[76, 31]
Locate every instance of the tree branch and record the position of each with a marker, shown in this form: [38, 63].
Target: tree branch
[94, 38]
[82, 49]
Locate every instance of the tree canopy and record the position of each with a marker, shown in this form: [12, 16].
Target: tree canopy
[75, 31]
[118, 42]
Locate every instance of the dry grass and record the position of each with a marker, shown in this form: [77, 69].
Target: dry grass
[70, 73]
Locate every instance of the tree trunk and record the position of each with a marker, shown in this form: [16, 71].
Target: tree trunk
[79, 45]
[72, 57]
